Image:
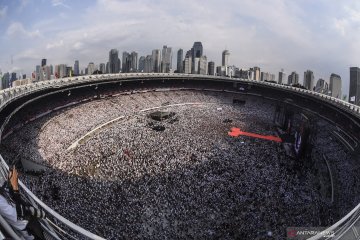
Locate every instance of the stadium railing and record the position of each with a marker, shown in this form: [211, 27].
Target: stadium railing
[57, 227]
[54, 225]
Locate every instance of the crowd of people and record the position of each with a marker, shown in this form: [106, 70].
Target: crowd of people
[191, 180]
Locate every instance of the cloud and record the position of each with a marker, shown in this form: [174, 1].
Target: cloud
[57, 44]
[341, 26]
[29, 54]
[295, 35]
[22, 5]
[3, 12]
[16, 29]
[60, 3]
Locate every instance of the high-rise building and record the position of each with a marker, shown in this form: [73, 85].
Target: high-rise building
[102, 67]
[76, 68]
[244, 73]
[126, 62]
[51, 69]
[166, 61]
[107, 67]
[13, 78]
[37, 73]
[43, 62]
[148, 64]
[272, 77]
[91, 68]
[114, 61]
[45, 73]
[142, 64]
[69, 71]
[156, 60]
[309, 80]
[221, 71]
[293, 78]
[257, 73]
[225, 58]
[196, 67]
[322, 86]
[335, 85]
[60, 71]
[187, 64]
[5, 81]
[134, 62]
[264, 76]
[211, 68]
[202, 65]
[231, 71]
[354, 89]
[282, 77]
[196, 52]
[179, 65]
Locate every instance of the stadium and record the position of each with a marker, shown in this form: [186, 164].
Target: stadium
[154, 156]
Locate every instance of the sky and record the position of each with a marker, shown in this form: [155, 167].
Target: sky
[294, 35]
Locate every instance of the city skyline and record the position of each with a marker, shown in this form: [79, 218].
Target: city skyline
[195, 62]
[319, 36]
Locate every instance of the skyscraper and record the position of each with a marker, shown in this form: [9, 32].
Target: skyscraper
[60, 71]
[225, 58]
[13, 78]
[156, 60]
[114, 61]
[5, 81]
[148, 64]
[257, 73]
[142, 64]
[69, 71]
[134, 62]
[211, 68]
[43, 62]
[309, 80]
[102, 68]
[45, 73]
[293, 78]
[282, 77]
[76, 68]
[179, 65]
[91, 68]
[264, 76]
[196, 67]
[126, 62]
[335, 85]
[322, 86]
[187, 64]
[37, 73]
[166, 61]
[202, 65]
[196, 52]
[354, 89]
[107, 67]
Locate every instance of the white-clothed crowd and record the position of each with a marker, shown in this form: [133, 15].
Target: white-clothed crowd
[191, 180]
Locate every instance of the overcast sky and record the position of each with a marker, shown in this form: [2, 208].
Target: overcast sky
[321, 35]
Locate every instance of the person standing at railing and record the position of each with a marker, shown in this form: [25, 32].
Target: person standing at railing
[19, 214]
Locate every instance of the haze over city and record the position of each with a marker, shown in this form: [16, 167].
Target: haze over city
[296, 36]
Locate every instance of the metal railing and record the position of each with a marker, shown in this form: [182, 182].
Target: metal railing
[54, 225]
[58, 227]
